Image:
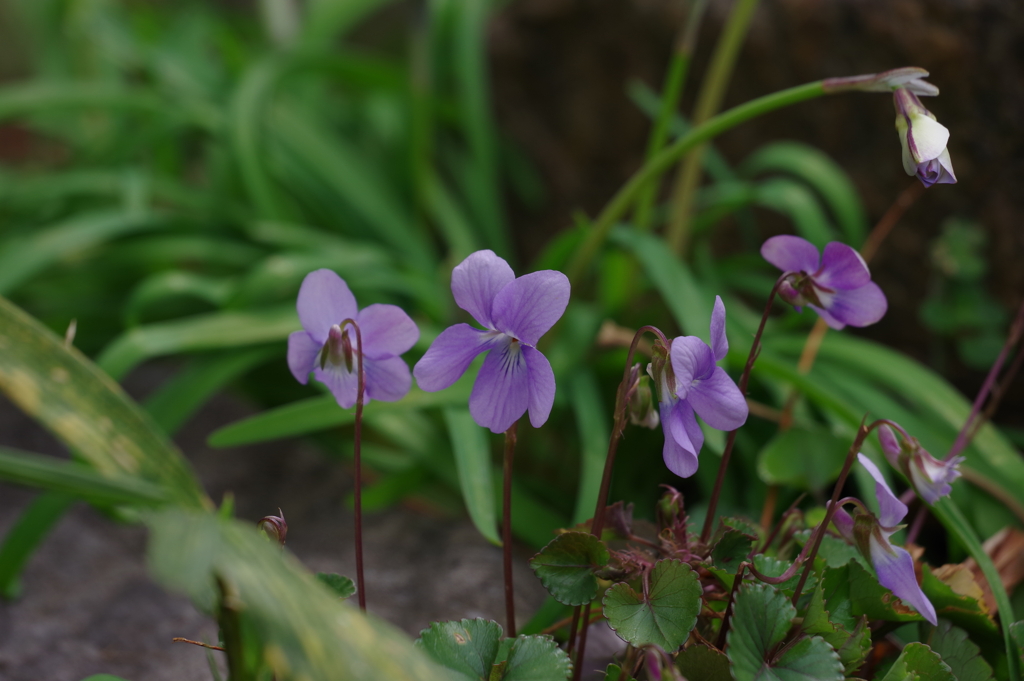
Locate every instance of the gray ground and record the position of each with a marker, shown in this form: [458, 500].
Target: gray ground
[88, 605]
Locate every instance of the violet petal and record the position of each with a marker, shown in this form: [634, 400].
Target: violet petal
[891, 509]
[791, 253]
[718, 401]
[387, 331]
[859, 307]
[302, 354]
[477, 280]
[719, 341]
[324, 300]
[387, 379]
[926, 137]
[530, 305]
[832, 322]
[844, 523]
[681, 449]
[842, 268]
[344, 385]
[895, 570]
[501, 393]
[890, 445]
[692, 360]
[450, 355]
[541, 384]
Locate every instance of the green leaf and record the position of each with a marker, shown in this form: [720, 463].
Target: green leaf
[615, 673]
[868, 597]
[663, 614]
[473, 463]
[731, 550]
[66, 477]
[342, 586]
[964, 611]
[852, 646]
[705, 663]
[957, 650]
[593, 428]
[814, 167]
[805, 458]
[320, 413]
[32, 526]
[179, 398]
[566, 567]
[534, 658]
[21, 257]
[769, 566]
[466, 648]
[88, 411]
[918, 662]
[688, 302]
[1016, 631]
[301, 627]
[216, 331]
[762, 617]
[797, 202]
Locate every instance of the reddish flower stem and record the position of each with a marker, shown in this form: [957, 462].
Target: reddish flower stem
[618, 426]
[755, 348]
[506, 528]
[357, 456]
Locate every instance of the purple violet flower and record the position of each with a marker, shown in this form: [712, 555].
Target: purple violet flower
[894, 566]
[929, 476]
[923, 140]
[837, 286]
[515, 313]
[689, 381]
[331, 352]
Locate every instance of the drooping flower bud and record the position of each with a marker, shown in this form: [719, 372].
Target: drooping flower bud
[640, 401]
[275, 527]
[923, 140]
[930, 477]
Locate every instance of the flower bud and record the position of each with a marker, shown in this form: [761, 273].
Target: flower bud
[930, 477]
[923, 140]
[274, 527]
[640, 401]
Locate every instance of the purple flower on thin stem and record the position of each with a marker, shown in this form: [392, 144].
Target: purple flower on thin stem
[929, 476]
[328, 347]
[515, 313]
[923, 140]
[894, 566]
[690, 381]
[837, 285]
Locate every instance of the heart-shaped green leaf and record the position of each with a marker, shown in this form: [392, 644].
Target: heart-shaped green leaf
[339, 584]
[962, 610]
[664, 614]
[852, 645]
[762, 617]
[959, 652]
[566, 567]
[533, 658]
[918, 662]
[731, 550]
[704, 663]
[467, 648]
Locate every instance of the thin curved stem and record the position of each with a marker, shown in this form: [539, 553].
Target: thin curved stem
[731, 440]
[358, 460]
[506, 528]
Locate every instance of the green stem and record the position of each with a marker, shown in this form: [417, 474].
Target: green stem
[666, 158]
[708, 102]
[678, 69]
